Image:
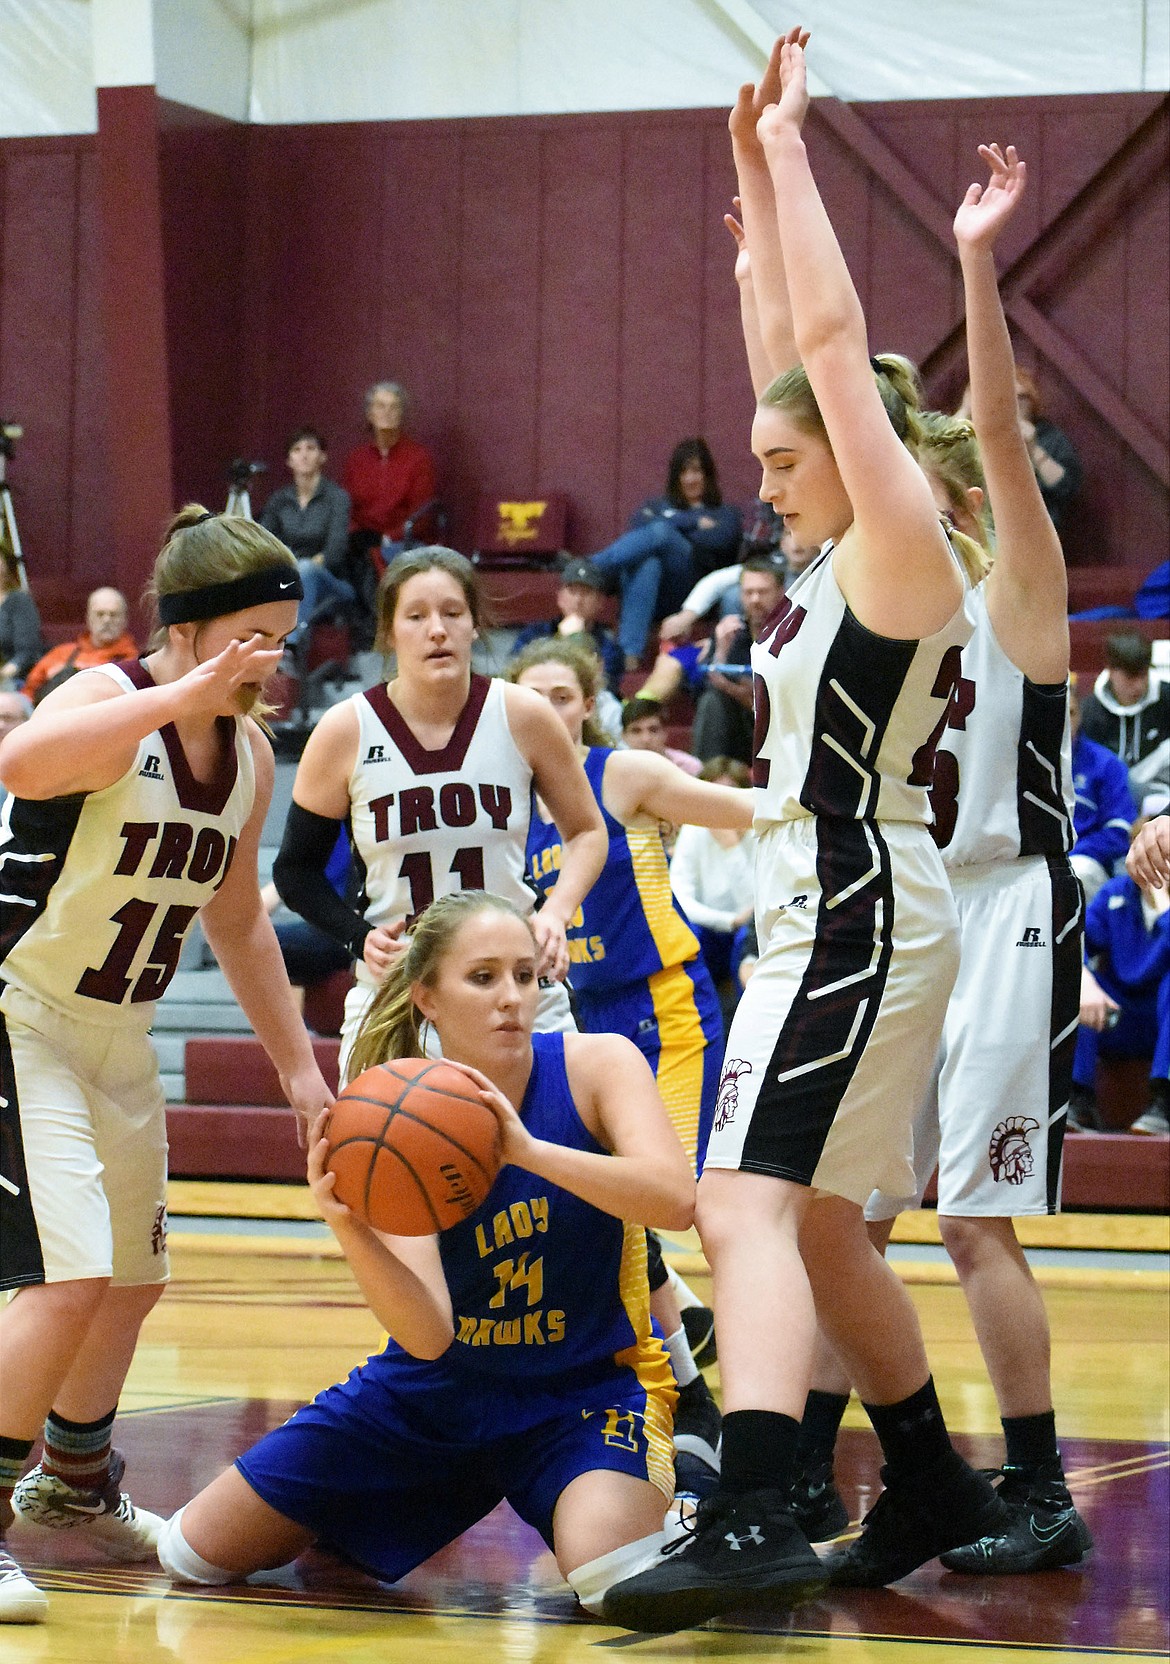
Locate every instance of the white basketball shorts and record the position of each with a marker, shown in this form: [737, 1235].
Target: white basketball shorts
[83, 1149]
[993, 1118]
[832, 1044]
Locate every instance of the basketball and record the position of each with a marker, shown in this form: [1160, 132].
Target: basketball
[413, 1147]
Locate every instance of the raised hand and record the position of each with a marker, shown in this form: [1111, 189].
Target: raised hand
[986, 209]
[743, 265]
[752, 100]
[789, 110]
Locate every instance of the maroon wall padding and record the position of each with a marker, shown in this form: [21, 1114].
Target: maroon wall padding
[555, 291]
[1107, 1172]
[235, 1069]
[233, 1141]
[53, 366]
[137, 394]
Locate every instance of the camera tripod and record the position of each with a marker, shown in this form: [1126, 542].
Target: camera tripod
[240, 475]
[9, 535]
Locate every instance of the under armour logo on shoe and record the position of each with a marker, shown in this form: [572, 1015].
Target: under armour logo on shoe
[753, 1534]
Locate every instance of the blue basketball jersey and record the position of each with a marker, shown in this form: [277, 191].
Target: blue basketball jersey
[542, 1283]
[630, 926]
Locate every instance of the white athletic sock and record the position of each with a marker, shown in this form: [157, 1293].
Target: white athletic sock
[685, 1368]
[683, 1292]
[180, 1560]
[590, 1581]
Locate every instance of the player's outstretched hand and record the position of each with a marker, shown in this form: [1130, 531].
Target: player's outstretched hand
[308, 1094]
[1148, 861]
[986, 209]
[516, 1142]
[552, 947]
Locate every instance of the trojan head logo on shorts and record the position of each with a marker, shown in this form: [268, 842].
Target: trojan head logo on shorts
[1009, 1153]
[728, 1100]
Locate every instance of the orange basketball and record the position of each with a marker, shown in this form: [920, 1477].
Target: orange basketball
[414, 1148]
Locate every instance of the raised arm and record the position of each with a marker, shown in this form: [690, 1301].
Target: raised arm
[892, 564]
[1027, 590]
[84, 735]
[759, 268]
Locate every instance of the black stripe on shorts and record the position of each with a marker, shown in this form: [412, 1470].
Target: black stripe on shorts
[21, 1261]
[1068, 929]
[825, 1032]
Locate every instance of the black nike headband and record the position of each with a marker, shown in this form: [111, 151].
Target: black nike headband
[270, 583]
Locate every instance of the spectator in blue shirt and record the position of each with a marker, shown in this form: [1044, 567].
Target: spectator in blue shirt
[1105, 810]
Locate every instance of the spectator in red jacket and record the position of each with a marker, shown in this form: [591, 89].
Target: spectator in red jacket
[388, 478]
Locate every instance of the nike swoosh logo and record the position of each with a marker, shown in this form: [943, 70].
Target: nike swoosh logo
[285, 586]
[86, 1507]
[1046, 1533]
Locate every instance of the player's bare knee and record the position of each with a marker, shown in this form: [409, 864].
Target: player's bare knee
[973, 1241]
[61, 1304]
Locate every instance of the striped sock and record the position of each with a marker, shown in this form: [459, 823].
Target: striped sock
[14, 1453]
[78, 1451]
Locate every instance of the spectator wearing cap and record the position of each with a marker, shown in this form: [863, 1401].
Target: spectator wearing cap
[1128, 712]
[580, 599]
[718, 672]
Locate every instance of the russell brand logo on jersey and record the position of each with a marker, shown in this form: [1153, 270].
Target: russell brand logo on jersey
[151, 769]
[1032, 937]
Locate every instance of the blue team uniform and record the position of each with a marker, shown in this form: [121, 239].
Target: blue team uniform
[553, 1372]
[635, 966]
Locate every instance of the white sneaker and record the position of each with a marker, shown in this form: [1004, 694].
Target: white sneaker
[21, 1602]
[106, 1517]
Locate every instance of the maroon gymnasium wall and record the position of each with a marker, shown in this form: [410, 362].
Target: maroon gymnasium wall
[556, 293]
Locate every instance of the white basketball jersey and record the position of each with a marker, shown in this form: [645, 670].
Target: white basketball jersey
[846, 721]
[1003, 772]
[99, 889]
[426, 823]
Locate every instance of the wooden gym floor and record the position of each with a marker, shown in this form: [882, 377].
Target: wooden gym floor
[262, 1313]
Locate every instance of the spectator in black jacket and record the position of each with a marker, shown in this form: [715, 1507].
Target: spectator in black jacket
[311, 516]
[671, 541]
[1054, 456]
[1128, 712]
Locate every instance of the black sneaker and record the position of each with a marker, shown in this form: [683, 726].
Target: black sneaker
[699, 1323]
[698, 1426]
[816, 1502]
[742, 1552]
[1044, 1530]
[916, 1517]
[1083, 1114]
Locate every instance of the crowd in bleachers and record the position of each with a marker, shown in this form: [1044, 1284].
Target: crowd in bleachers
[708, 576]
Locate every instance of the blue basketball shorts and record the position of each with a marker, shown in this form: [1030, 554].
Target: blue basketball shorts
[401, 1458]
